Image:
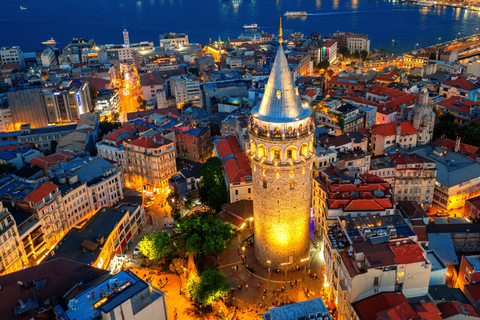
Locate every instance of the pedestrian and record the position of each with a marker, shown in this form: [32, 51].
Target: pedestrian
[295, 281]
[88, 297]
[108, 286]
[93, 294]
[246, 286]
[263, 297]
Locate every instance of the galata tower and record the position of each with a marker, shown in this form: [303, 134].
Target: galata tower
[281, 149]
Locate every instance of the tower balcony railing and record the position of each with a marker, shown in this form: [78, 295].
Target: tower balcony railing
[280, 135]
[279, 163]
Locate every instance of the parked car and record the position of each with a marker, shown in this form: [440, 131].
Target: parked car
[442, 213]
[136, 251]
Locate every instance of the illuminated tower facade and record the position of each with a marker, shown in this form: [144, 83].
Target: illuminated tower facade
[281, 149]
[126, 39]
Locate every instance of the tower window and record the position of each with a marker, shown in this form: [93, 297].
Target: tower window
[265, 184]
[289, 154]
[292, 185]
[279, 94]
[276, 154]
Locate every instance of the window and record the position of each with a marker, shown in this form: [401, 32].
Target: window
[265, 184]
[236, 192]
[277, 154]
[292, 185]
[375, 282]
[249, 190]
[289, 154]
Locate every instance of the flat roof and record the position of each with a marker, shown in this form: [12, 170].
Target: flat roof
[99, 225]
[298, 310]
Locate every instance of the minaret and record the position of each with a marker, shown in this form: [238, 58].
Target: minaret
[126, 39]
[281, 149]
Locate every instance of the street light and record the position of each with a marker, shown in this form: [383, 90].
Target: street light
[416, 47]
[438, 40]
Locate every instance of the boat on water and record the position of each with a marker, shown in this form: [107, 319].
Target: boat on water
[250, 26]
[394, 42]
[51, 43]
[295, 14]
[424, 4]
[23, 8]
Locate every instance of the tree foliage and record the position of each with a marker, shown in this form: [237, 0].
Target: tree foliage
[155, 246]
[469, 134]
[6, 168]
[208, 288]
[108, 126]
[324, 64]
[214, 190]
[204, 233]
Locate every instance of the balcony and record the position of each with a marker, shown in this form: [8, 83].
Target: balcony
[278, 135]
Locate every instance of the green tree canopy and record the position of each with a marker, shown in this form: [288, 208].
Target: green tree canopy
[204, 233]
[214, 191]
[208, 288]
[6, 168]
[324, 64]
[155, 246]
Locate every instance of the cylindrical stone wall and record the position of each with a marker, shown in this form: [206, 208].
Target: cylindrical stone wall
[281, 204]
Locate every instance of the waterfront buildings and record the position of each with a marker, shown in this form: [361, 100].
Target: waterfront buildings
[173, 39]
[12, 55]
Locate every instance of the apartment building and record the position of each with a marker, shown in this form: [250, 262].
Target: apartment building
[150, 162]
[150, 83]
[103, 236]
[173, 39]
[27, 106]
[339, 192]
[383, 167]
[383, 136]
[458, 176]
[186, 88]
[12, 54]
[12, 256]
[371, 254]
[236, 167]
[42, 137]
[193, 144]
[415, 178]
[77, 206]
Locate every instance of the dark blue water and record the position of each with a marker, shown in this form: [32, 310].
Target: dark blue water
[103, 20]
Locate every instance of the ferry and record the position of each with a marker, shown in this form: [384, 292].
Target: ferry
[23, 8]
[295, 13]
[50, 43]
[424, 4]
[250, 26]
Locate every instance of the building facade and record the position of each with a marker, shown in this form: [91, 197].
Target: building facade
[281, 149]
[12, 256]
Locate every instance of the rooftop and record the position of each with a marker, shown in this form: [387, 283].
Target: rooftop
[61, 275]
[299, 311]
[389, 129]
[81, 244]
[41, 192]
[235, 163]
[280, 102]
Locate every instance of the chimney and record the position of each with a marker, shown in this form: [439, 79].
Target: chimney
[398, 129]
[457, 144]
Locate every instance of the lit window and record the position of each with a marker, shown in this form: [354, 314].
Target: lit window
[265, 184]
[292, 185]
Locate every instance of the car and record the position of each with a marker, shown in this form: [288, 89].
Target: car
[171, 225]
[136, 251]
[442, 213]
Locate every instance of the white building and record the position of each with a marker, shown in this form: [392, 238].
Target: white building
[186, 89]
[47, 57]
[173, 39]
[12, 54]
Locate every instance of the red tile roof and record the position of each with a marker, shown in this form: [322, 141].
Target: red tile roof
[390, 76]
[428, 311]
[48, 161]
[237, 166]
[407, 253]
[402, 159]
[388, 129]
[449, 144]
[381, 90]
[458, 104]
[403, 311]
[368, 308]
[329, 43]
[473, 290]
[151, 79]
[154, 141]
[475, 202]
[452, 308]
[460, 83]
[41, 192]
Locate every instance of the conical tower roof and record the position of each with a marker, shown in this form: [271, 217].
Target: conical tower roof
[280, 101]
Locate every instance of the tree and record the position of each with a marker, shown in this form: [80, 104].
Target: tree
[324, 64]
[6, 168]
[344, 52]
[93, 151]
[330, 72]
[204, 233]
[108, 126]
[341, 122]
[213, 191]
[53, 146]
[189, 201]
[208, 288]
[155, 246]
[141, 103]
[364, 54]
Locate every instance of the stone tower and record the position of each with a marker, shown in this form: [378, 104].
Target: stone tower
[423, 118]
[281, 149]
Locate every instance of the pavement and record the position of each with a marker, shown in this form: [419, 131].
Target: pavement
[253, 293]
